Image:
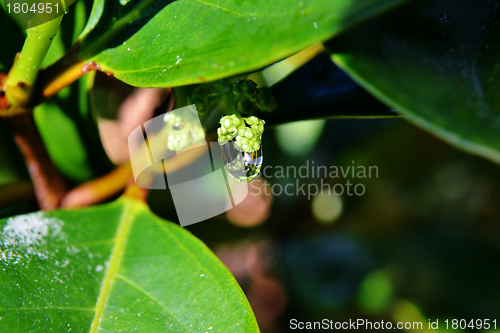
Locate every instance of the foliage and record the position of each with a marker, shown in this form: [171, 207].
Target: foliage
[119, 267]
[437, 63]
[133, 272]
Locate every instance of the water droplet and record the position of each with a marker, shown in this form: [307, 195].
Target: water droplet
[443, 18]
[315, 25]
[239, 165]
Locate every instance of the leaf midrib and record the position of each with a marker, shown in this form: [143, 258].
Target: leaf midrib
[122, 233]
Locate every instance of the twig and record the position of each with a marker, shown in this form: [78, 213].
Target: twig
[49, 85]
[21, 79]
[48, 183]
[133, 191]
[99, 189]
[106, 187]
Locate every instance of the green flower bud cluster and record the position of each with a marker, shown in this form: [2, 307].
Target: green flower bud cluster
[246, 88]
[266, 101]
[182, 132]
[248, 140]
[198, 134]
[256, 124]
[200, 97]
[174, 121]
[240, 97]
[246, 132]
[178, 140]
[230, 125]
[249, 98]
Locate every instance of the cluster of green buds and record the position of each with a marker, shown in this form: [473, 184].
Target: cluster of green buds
[246, 132]
[240, 97]
[182, 132]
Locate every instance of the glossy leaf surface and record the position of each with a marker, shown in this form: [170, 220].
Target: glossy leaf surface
[163, 43]
[113, 268]
[437, 62]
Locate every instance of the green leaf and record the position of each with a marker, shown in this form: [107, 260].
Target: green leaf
[113, 268]
[437, 63]
[70, 132]
[163, 43]
[65, 146]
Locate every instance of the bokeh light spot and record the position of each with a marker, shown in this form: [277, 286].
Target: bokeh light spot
[327, 207]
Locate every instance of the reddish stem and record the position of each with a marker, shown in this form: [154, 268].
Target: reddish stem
[48, 183]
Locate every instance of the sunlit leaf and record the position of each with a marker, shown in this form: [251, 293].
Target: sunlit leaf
[113, 268]
[163, 43]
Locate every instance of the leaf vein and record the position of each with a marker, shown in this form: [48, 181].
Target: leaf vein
[145, 292]
[221, 8]
[123, 230]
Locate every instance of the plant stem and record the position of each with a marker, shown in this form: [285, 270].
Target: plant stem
[134, 191]
[48, 184]
[99, 189]
[74, 64]
[121, 178]
[20, 82]
[51, 84]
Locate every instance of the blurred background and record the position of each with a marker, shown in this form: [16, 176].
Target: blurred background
[422, 242]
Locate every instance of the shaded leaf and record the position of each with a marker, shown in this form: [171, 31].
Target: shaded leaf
[325, 91]
[70, 133]
[163, 43]
[113, 268]
[437, 63]
[65, 121]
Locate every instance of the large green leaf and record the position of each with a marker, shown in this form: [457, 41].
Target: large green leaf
[437, 62]
[162, 43]
[113, 268]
